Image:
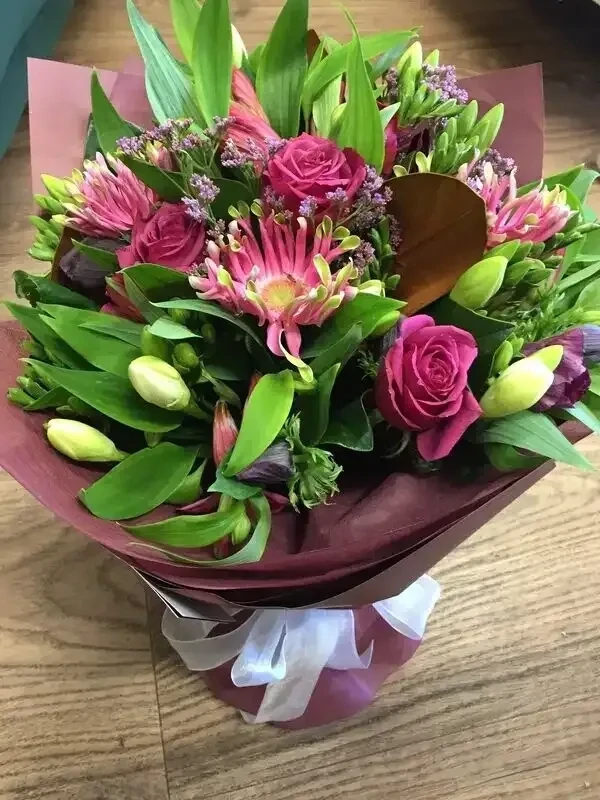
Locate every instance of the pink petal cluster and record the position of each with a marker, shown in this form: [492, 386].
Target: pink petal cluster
[533, 217]
[107, 198]
[249, 125]
[282, 277]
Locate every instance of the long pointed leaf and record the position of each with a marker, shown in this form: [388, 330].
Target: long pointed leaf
[109, 125]
[184, 14]
[212, 59]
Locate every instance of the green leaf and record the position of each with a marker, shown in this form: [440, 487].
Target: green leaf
[324, 106]
[590, 296]
[595, 376]
[38, 289]
[388, 59]
[103, 352]
[109, 125]
[112, 396]
[34, 322]
[190, 488]
[146, 308]
[584, 415]
[230, 194]
[212, 59]
[282, 68]
[388, 113]
[361, 124]
[350, 428]
[250, 553]
[189, 530]
[315, 407]
[53, 398]
[340, 351]
[336, 62]
[168, 185]
[266, 411]
[155, 280]
[167, 328]
[233, 488]
[582, 183]
[536, 433]
[507, 458]
[140, 483]
[573, 278]
[213, 310]
[367, 310]
[184, 14]
[255, 56]
[168, 87]
[103, 258]
[118, 328]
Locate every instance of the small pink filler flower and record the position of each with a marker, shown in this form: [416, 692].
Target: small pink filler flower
[107, 198]
[280, 277]
[533, 217]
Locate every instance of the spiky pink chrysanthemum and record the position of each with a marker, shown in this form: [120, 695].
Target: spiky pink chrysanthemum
[533, 217]
[282, 276]
[107, 198]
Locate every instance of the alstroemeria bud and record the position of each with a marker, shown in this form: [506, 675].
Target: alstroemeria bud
[81, 442]
[241, 530]
[185, 356]
[225, 432]
[159, 383]
[502, 357]
[521, 385]
[152, 345]
[479, 283]
[238, 48]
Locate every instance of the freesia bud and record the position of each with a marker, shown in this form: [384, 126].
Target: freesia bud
[81, 442]
[225, 432]
[521, 385]
[159, 383]
[479, 283]
[502, 357]
[185, 356]
[238, 47]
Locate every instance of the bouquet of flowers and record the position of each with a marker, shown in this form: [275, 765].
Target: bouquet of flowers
[303, 329]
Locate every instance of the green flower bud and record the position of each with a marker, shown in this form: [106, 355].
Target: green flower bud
[180, 315]
[518, 270]
[81, 442]
[152, 345]
[391, 282]
[159, 383]
[506, 249]
[502, 357]
[56, 188]
[479, 283]
[185, 356]
[153, 438]
[385, 324]
[208, 332]
[30, 386]
[18, 397]
[467, 118]
[241, 530]
[520, 386]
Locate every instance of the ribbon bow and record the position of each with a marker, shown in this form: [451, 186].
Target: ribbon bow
[287, 649]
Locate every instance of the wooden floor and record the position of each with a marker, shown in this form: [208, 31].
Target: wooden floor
[502, 701]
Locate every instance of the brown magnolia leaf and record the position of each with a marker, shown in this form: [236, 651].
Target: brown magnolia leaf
[65, 244]
[444, 232]
[312, 43]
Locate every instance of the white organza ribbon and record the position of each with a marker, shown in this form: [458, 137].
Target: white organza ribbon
[286, 650]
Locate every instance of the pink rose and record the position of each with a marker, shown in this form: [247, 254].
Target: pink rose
[169, 237]
[311, 167]
[422, 384]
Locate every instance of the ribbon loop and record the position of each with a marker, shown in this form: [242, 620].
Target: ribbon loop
[287, 649]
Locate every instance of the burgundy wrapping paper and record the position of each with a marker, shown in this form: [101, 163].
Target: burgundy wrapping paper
[521, 136]
[338, 695]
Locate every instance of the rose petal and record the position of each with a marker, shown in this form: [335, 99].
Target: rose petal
[439, 441]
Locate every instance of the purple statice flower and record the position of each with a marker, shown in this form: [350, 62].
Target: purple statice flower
[443, 80]
[363, 256]
[501, 165]
[194, 209]
[206, 190]
[371, 206]
[571, 377]
[371, 184]
[273, 200]
[308, 207]
[132, 145]
[395, 232]
[218, 230]
[189, 142]
[274, 145]
[339, 197]
[220, 125]
[390, 80]
[232, 157]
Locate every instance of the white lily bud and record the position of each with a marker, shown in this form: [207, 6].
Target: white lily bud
[159, 383]
[81, 442]
[238, 47]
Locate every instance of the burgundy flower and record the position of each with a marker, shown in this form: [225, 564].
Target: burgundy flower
[571, 378]
[169, 237]
[422, 384]
[311, 168]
